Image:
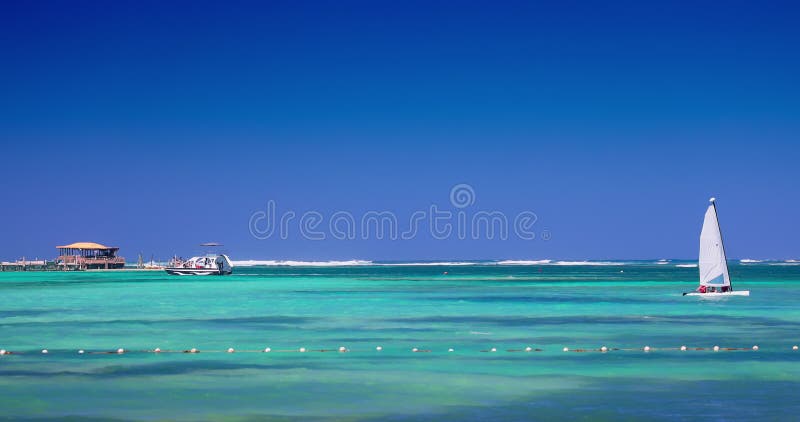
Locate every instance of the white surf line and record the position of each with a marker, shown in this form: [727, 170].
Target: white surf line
[344, 349]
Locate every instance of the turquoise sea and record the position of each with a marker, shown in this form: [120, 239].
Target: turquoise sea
[471, 309]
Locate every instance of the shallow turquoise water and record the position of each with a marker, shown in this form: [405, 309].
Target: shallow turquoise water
[471, 309]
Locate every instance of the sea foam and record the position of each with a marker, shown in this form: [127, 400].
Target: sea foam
[523, 262]
[288, 263]
[426, 264]
[588, 263]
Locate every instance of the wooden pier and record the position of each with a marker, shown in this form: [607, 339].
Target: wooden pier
[25, 265]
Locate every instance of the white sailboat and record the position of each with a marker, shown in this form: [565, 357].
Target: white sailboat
[713, 265]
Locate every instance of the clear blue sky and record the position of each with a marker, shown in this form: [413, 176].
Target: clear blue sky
[155, 126]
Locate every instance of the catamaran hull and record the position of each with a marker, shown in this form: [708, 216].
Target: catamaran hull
[720, 294]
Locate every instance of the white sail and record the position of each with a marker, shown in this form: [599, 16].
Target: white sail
[713, 266]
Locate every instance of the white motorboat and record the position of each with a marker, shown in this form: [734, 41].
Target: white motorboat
[713, 265]
[210, 264]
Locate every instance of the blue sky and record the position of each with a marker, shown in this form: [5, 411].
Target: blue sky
[155, 127]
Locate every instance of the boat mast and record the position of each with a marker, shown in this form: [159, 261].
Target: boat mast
[722, 243]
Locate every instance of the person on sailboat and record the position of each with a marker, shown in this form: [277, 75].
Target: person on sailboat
[701, 289]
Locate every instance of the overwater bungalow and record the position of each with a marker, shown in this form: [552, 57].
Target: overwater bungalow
[88, 256]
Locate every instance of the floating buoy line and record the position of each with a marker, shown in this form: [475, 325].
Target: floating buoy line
[344, 349]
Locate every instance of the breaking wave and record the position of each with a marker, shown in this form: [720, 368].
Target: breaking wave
[507, 262]
[580, 263]
[522, 262]
[427, 264]
[274, 263]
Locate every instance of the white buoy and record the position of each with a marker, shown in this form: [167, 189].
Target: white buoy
[415, 350]
[494, 349]
[450, 349]
[120, 351]
[716, 348]
[342, 349]
[646, 348]
[566, 349]
[231, 350]
[755, 348]
[379, 348]
[528, 349]
[80, 352]
[267, 350]
[794, 347]
[3, 351]
[157, 350]
[302, 350]
[683, 348]
[604, 349]
[44, 351]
